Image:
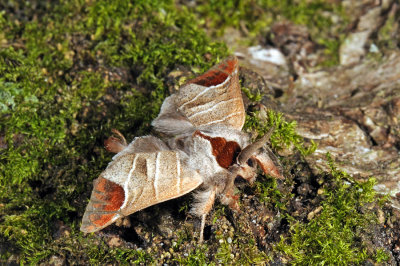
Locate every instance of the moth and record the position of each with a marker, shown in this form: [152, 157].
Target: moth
[205, 150]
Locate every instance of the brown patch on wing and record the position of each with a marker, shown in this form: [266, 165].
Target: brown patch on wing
[217, 74]
[229, 65]
[101, 219]
[110, 194]
[224, 151]
[210, 78]
[105, 202]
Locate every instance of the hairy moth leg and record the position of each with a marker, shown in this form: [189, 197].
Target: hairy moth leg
[227, 196]
[204, 201]
[115, 144]
[203, 224]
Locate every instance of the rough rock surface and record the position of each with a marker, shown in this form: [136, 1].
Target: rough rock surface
[352, 112]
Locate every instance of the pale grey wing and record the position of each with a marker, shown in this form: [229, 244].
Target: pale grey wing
[212, 98]
[157, 177]
[133, 182]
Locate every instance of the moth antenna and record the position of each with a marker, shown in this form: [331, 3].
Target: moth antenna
[246, 153]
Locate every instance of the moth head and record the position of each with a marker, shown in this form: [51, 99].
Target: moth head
[246, 163]
[253, 155]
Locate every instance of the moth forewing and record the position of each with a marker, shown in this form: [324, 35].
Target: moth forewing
[134, 181]
[157, 177]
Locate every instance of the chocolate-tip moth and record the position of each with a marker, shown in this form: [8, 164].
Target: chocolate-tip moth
[205, 150]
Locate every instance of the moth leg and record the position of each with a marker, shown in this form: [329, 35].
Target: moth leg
[247, 172]
[228, 197]
[204, 201]
[115, 144]
[203, 224]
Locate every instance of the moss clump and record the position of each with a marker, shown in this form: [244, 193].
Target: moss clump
[381, 256]
[255, 15]
[388, 34]
[196, 257]
[284, 135]
[332, 236]
[152, 38]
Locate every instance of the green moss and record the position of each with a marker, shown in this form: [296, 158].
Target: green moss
[195, 257]
[388, 34]
[256, 15]
[284, 134]
[252, 97]
[381, 256]
[331, 237]
[224, 253]
[268, 193]
[156, 38]
[249, 253]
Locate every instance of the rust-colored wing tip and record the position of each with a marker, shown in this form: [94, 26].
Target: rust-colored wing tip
[218, 74]
[106, 200]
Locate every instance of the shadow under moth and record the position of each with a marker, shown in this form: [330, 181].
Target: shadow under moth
[205, 150]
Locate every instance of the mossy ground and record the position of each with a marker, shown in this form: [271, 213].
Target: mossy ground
[71, 71]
